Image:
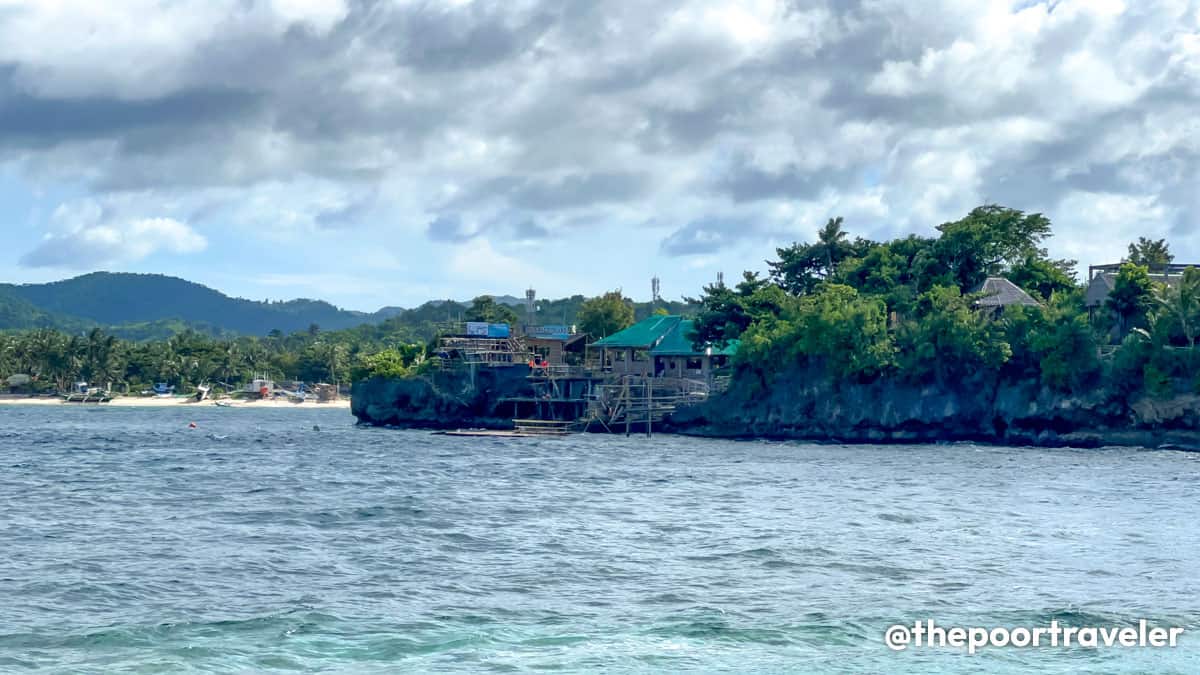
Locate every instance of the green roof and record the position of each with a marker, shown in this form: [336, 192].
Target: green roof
[678, 343]
[643, 334]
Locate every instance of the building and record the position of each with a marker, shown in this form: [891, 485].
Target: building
[999, 293]
[676, 356]
[1102, 279]
[555, 344]
[661, 346]
[627, 352]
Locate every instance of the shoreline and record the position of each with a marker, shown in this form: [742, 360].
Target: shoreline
[174, 402]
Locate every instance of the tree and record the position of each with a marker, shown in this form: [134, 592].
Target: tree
[485, 308]
[1182, 304]
[950, 339]
[831, 242]
[846, 331]
[725, 313]
[1042, 276]
[1131, 298]
[1054, 341]
[988, 240]
[1152, 254]
[605, 315]
[802, 266]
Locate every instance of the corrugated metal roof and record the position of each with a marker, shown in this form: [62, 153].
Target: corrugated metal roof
[678, 343]
[642, 335]
[1000, 292]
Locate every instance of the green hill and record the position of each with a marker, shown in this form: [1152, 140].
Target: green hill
[153, 306]
[17, 313]
[108, 299]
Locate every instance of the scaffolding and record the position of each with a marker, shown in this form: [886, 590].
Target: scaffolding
[635, 401]
[483, 351]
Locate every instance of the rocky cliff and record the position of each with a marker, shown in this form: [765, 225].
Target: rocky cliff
[807, 405]
[441, 400]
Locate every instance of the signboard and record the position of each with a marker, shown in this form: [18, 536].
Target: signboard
[485, 329]
[551, 332]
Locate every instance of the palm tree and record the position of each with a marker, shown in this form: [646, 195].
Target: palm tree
[1182, 303]
[335, 356]
[832, 240]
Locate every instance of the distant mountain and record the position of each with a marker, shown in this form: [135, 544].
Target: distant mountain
[17, 313]
[153, 306]
[110, 299]
[511, 300]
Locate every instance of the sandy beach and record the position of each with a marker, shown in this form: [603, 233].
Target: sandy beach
[172, 401]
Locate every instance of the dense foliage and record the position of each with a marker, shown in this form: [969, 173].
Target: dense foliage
[606, 314]
[55, 360]
[138, 355]
[910, 309]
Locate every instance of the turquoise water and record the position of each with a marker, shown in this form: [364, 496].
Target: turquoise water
[256, 543]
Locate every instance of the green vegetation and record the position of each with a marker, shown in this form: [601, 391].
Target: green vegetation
[485, 308]
[55, 360]
[846, 309]
[155, 306]
[55, 352]
[859, 310]
[1154, 254]
[605, 315]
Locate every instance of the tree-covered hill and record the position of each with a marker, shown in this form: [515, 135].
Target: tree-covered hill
[110, 299]
[17, 313]
[142, 307]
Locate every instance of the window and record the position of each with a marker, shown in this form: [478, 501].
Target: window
[694, 364]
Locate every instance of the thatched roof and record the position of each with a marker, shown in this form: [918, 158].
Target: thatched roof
[1000, 292]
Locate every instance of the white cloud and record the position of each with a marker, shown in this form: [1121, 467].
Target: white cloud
[88, 238]
[307, 126]
[320, 14]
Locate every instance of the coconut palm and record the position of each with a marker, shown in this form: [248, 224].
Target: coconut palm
[1182, 304]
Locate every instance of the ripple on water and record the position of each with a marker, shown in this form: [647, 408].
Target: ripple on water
[259, 545]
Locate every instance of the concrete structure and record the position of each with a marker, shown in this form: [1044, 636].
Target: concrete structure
[1102, 278]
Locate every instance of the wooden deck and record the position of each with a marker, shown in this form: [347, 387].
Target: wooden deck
[494, 433]
[524, 429]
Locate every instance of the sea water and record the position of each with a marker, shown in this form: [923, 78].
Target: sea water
[291, 540]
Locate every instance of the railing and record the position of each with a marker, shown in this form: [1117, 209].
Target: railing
[561, 371]
[543, 427]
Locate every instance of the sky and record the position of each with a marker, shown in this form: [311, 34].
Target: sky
[388, 152]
